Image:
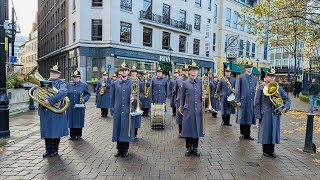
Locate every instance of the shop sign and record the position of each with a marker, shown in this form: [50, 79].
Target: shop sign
[165, 59]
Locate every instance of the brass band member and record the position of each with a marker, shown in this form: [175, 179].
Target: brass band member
[137, 119]
[78, 94]
[245, 91]
[145, 94]
[215, 102]
[269, 116]
[172, 84]
[103, 95]
[53, 126]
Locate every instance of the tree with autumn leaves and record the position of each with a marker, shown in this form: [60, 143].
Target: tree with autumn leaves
[287, 23]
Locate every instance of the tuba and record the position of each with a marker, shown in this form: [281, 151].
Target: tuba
[103, 88]
[43, 93]
[272, 91]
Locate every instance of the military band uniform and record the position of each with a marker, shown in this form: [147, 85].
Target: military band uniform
[145, 99]
[120, 98]
[137, 118]
[159, 90]
[245, 92]
[191, 107]
[269, 122]
[224, 91]
[104, 101]
[53, 126]
[215, 103]
[75, 116]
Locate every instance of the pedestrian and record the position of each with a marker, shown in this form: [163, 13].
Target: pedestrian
[215, 102]
[297, 88]
[225, 89]
[177, 89]
[53, 125]
[121, 100]
[172, 95]
[103, 95]
[78, 94]
[314, 90]
[245, 91]
[159, 88]
[269, 118]
[137, 118]
[191, 108]
[145, 94]
[94, 81]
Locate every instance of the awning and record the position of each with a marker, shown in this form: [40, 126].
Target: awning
[264, 69]
[240, 68]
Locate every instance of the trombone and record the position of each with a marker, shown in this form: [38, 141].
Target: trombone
[205, 92]
[135, 89]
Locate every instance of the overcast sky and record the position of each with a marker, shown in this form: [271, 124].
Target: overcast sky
[26, 13]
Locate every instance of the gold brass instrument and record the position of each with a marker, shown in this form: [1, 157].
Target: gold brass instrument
[81, 100]
[43, 93]
[216, 92]
[206, 92]
[272, 91]
[146, 89]
[103, 88]
[232, 97]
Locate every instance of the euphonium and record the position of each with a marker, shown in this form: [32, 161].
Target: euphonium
[103, 88]
[272, 90]
[43, 93]
[206, 92]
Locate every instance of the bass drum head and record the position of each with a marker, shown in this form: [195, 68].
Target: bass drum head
[231, 97]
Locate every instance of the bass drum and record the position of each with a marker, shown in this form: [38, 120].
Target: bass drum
[232, 100]
[157, 116]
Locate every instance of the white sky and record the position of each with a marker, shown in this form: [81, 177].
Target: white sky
[26, 13]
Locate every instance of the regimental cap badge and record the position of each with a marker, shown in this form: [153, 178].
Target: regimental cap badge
[105, 73]
[124, 65]
[114, 75]
[271, 71]
[76, 72]
[185, 67]
[145, 72]
[55, 67]
[176, 71]
[134, 67]
[228, 69]
[249, 64]
[159, 68]
[193, 63]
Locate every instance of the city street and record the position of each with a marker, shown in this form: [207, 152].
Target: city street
[158, 154]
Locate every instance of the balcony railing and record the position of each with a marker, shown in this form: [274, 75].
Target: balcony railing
[165, 21]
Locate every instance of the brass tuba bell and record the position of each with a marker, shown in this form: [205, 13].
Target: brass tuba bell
[43, 93]
[272, 91]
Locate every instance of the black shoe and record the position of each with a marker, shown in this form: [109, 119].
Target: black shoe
[53, 154]
[249, 138]
[227, 124]
[179, 136]
[188, 152]
[118, 154]
[269, 155]
[46, 154]
[125, 154]
[196, 152]
[78, 138]
[241, 137]
[72, 138]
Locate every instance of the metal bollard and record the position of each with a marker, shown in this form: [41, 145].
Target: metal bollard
[309, 146]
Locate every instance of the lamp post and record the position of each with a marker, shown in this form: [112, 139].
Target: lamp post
[4, 100]
[172, 65]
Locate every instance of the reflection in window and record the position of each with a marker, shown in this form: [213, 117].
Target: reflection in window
[165, 40]
[182, 43]
[125, 32]
[197, 22]
[196, 46]
[95, 67]
[126, 5]
[147, 37]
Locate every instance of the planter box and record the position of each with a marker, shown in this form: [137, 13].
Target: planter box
[18, 100]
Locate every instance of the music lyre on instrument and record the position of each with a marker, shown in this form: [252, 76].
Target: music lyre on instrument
[272, 91]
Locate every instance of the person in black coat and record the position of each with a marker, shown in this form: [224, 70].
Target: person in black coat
[297, 88]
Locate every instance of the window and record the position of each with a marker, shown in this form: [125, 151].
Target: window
[165, 40]
[166, 14]
[196, 46]
[197, 3]
[147, 7]
[182, 18]
[197, 22]
[214, 42]
[97, 3]
[254, 29]
[248, 49]
[125, 32]
[74, 5]
[249, 25]
[74, 32]
[285, 62]
[253, 50]
[235, 20]
[215, 13]
[96, 34]
[278, 62]
[225, 43]
[182, 43]
[228, 17]
[208, 28]
[209, 5]
[242, 22]
[147, 37]
[126, 5]
[241, 47]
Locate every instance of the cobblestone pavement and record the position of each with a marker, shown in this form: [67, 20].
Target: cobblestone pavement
[158, 154]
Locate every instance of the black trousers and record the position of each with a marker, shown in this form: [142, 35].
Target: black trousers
[75, 132]
[180, 128]
[135, 132]
[174, 110]
[52, 145]
[245, 130]
[226, 119]
[145, 111]
[214, 114]
[122, 146]
[268, 148]
[94, 87]
[192, 143]
[104, 112]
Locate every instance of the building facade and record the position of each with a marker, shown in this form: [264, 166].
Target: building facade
[52, 35]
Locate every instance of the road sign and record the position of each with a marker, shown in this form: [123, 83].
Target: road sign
[109, 67]
[232, 46]
[13, 59]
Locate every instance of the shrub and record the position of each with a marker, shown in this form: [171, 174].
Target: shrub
[305, 98]
[12, 83]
